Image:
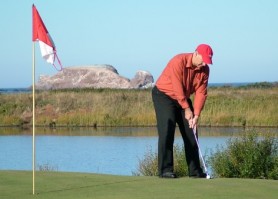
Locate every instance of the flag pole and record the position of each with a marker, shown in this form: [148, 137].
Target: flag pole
[34, 149]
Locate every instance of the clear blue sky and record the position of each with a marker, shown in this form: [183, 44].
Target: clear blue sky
[137, 35]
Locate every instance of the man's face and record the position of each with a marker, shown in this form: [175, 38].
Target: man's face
[197, 61]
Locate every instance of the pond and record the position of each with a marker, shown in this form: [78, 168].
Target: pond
[114, 151]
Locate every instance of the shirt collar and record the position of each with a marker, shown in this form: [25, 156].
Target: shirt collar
[189, 61]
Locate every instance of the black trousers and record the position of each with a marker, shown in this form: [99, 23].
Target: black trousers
[168, 114]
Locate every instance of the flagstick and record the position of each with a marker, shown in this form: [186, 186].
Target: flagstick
[34, 149]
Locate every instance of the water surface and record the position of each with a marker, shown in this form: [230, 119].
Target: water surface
[107, 151]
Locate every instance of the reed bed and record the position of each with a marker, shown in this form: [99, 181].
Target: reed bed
[241, 107]
[111, 107]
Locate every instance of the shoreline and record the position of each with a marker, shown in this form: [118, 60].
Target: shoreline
[127, 126]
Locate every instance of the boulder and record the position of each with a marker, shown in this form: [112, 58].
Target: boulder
[142, 79]
[94, 76]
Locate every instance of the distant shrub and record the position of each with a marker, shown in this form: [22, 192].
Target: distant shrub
[261, 85]
[148, 166]
[247, 156]
[47, 167]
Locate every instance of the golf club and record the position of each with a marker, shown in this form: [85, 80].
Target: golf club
[200, 153]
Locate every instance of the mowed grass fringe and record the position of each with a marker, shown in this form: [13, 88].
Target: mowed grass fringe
[58, 185]
[225, 106]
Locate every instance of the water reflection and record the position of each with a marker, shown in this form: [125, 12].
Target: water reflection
[124, 131]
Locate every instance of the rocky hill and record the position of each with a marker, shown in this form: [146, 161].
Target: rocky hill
[94, 76]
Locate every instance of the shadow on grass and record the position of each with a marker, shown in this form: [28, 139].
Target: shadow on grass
[91, 186]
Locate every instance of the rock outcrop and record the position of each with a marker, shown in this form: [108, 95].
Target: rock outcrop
[95, 76]
[142, 79]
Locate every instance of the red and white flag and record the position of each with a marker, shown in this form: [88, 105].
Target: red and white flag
[40, 33]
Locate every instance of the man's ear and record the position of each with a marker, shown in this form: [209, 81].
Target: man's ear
[194, 54]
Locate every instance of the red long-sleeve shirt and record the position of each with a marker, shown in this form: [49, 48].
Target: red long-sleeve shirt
[179, 80]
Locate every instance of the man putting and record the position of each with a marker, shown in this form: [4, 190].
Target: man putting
[185, 74]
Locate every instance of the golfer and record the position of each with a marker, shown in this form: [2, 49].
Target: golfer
[185, 74]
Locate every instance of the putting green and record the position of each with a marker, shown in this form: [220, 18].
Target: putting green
[57, 185]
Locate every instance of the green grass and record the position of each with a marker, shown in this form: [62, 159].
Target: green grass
[58, 185]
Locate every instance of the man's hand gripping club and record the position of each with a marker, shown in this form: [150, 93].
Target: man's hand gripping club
[192, 120]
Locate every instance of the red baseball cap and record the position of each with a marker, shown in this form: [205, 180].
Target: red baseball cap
[206, 52]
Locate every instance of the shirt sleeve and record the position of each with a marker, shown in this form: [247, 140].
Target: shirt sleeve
[177, 73]
[201, 92]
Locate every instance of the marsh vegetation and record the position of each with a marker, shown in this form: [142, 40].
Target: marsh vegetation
[225, 106]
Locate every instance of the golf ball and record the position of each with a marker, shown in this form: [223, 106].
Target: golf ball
[208, 176]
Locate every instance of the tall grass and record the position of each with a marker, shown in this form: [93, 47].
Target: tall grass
[112, 107]
[148, 165]
[251, 155]
[241, 107]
